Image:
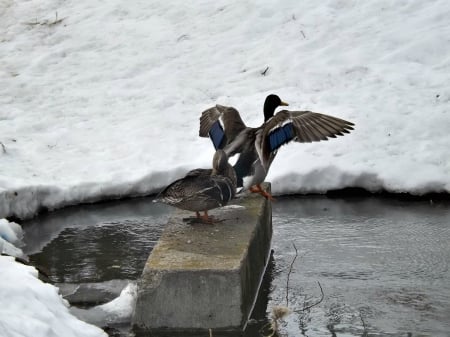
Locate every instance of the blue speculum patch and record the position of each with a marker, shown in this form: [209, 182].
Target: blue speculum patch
[216, 134]
[281, 136]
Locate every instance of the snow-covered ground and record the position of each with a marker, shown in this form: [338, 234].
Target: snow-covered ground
[102, 99]
[28, 306]
[106, 102]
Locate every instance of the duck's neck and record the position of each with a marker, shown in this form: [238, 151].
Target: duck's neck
[269, 110]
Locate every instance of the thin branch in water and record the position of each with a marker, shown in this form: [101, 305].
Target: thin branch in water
[308, 307]
[289, 274]
[269, 328]
[363, 323]
[3, 147]
[265, 71]
[362, 320]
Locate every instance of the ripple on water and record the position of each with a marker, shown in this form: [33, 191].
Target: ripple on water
[384, 263]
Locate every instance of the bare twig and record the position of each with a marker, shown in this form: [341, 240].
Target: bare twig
[362, 320]
[265, 71]
[363, 323]
[314, 304]
[3, 147]
[289, 274]
[46, 22]
[304, 36]
[33, 23]
[183, 37]
[56, 20]
[270, 329]
[279, 312]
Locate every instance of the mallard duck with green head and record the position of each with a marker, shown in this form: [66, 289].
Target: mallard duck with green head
[203, 189]
[257, 147]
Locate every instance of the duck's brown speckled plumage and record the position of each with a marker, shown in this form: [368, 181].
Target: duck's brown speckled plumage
[203, 189]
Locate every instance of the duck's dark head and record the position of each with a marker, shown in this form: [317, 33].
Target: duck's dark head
[220, 162]
[272, 102]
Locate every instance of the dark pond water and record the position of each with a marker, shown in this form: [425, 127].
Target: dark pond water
[383, 264]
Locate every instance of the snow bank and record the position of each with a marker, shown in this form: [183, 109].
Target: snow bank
[116, 311]
[10, 236]
[105, 103]
[10, 231]
[33, 308]
[30, 307]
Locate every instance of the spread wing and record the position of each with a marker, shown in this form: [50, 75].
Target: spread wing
[299, 126]
[222, 124]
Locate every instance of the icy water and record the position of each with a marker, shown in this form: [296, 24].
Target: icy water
[383, 264]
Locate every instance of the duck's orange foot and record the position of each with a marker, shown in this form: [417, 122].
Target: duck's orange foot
[258, 189]
[205, 218]
[202, 218]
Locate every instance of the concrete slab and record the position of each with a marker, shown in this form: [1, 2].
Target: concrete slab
[201, 277]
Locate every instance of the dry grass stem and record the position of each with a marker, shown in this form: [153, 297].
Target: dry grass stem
[46, 22]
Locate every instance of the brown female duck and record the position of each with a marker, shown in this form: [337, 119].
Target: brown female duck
[203, 189]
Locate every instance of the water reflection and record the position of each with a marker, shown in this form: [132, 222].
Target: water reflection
[94, 243]
[259, 318]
